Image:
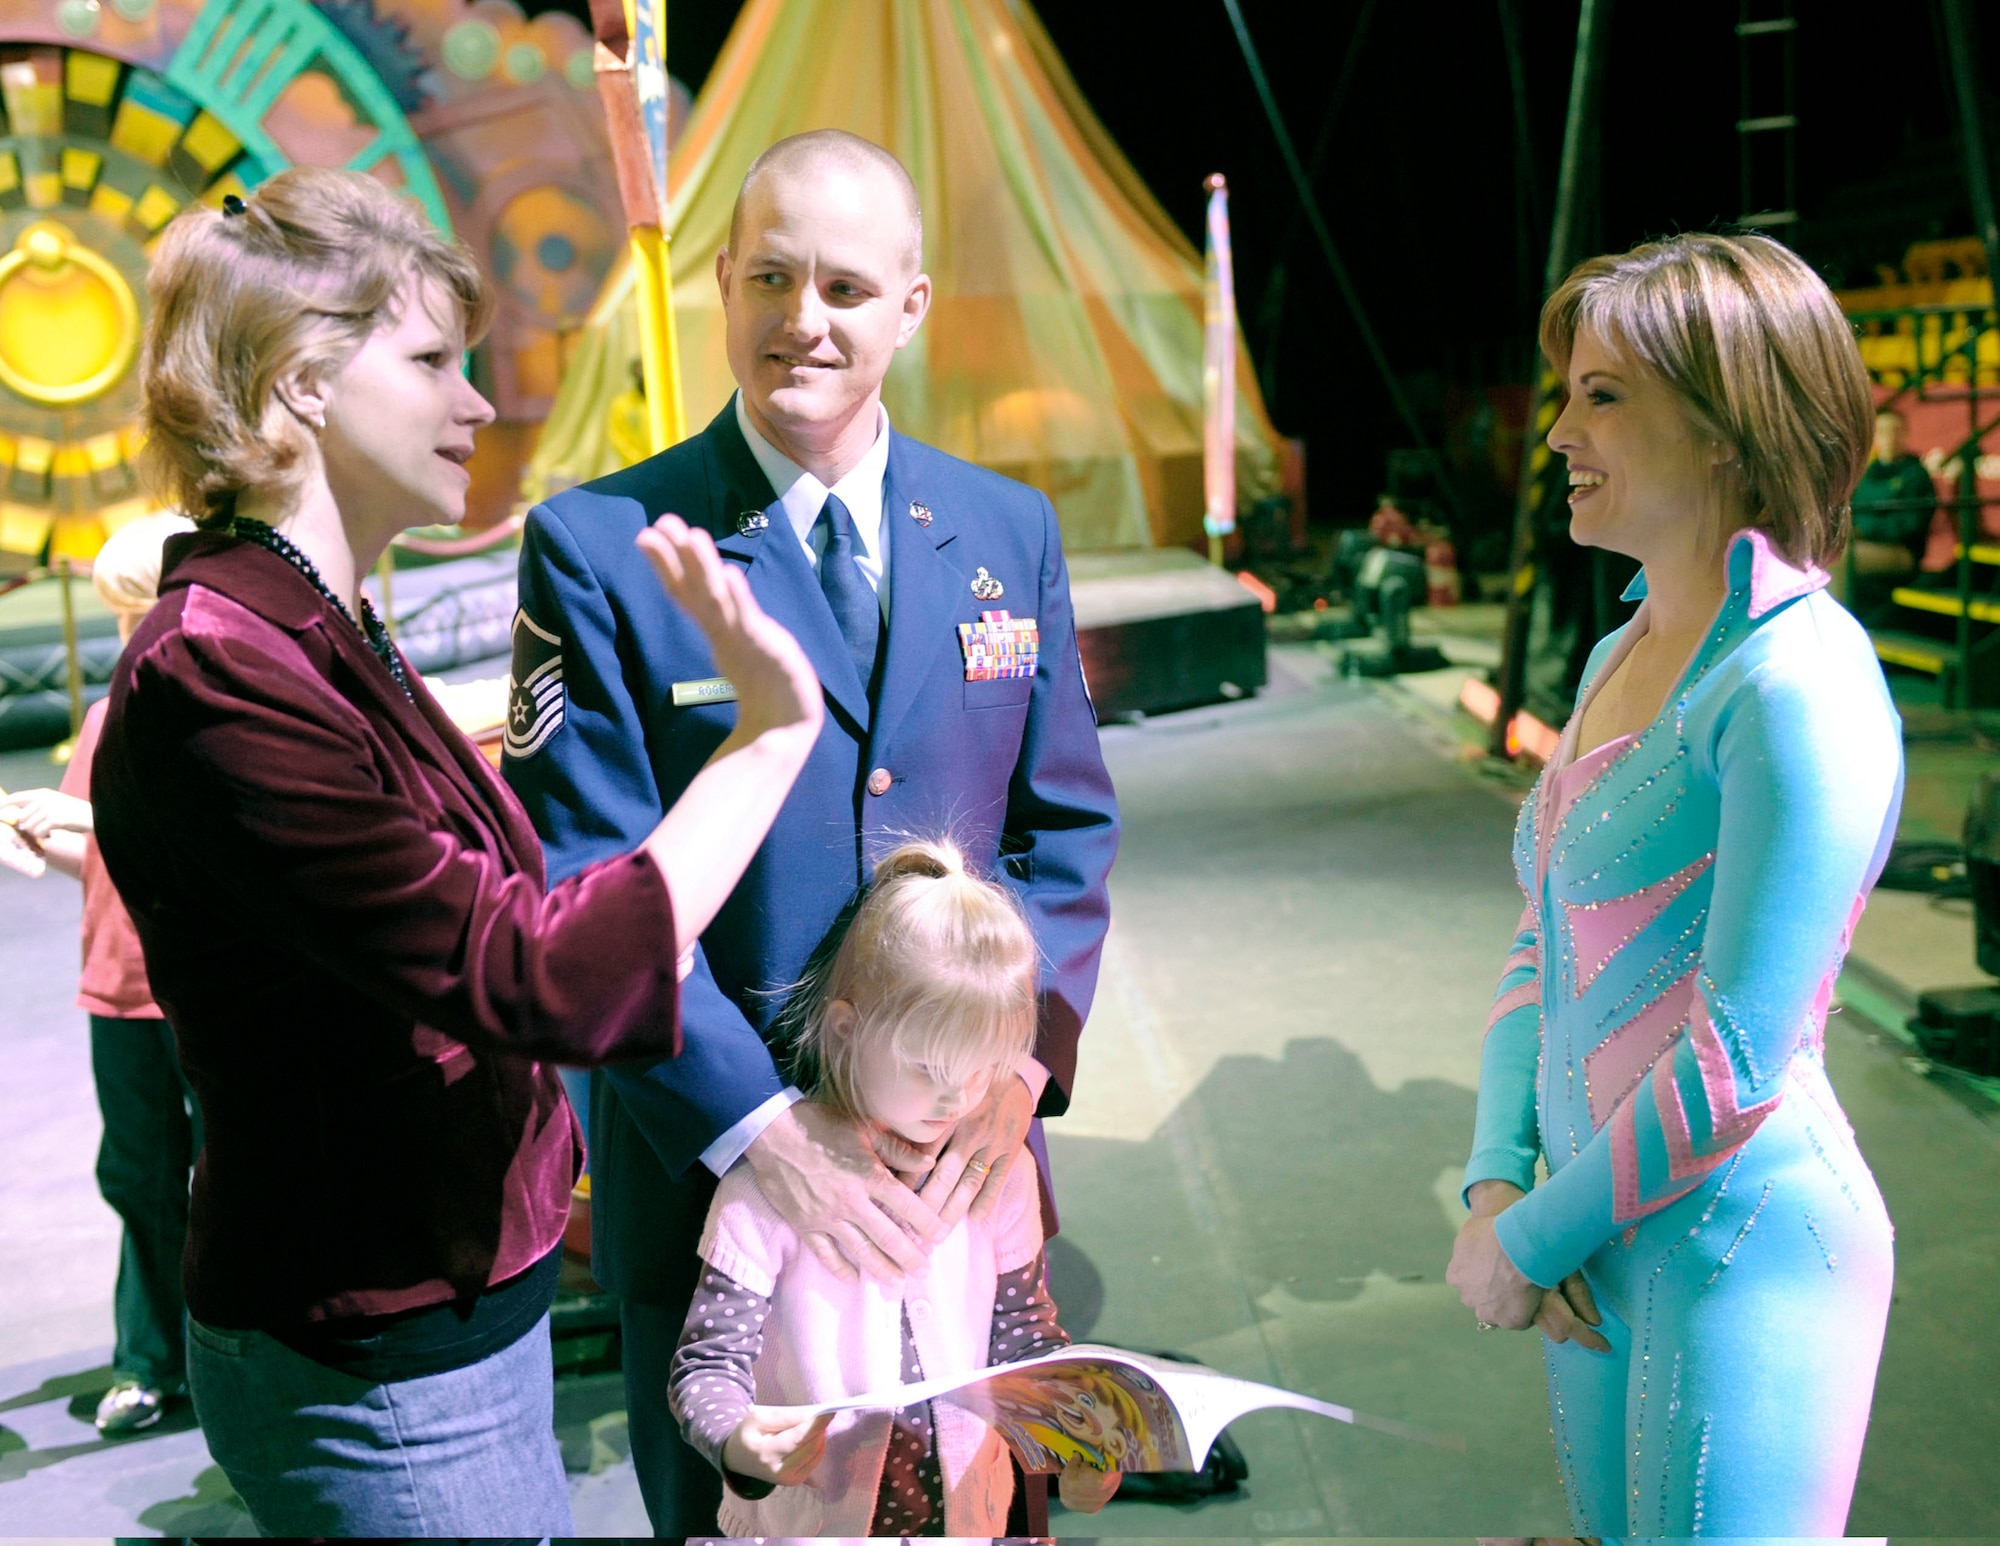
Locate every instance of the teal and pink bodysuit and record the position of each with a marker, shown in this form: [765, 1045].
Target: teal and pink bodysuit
[1658, 1040]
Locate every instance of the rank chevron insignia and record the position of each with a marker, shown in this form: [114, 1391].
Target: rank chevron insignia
[535, 699]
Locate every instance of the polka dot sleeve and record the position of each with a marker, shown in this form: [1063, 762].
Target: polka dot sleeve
[710, 1385]
[1024, 1316]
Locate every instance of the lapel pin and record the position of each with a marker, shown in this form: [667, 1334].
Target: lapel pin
[752, 523]
[986, 588]
[920, 512]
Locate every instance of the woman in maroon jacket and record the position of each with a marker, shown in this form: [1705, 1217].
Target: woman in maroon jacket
[342, 907]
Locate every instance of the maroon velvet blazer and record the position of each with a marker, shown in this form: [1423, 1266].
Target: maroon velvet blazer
[343, 916]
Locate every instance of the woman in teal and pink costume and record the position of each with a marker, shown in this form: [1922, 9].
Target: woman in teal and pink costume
[1708, 1256]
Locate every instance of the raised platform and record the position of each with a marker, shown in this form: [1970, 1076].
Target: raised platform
[34, 670]
[1162, 629]
[445, 615]
[1159, 629]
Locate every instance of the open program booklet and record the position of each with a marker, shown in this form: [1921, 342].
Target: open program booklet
[1110, 1408]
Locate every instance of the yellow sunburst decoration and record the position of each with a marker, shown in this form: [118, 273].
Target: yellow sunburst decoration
[69, 323]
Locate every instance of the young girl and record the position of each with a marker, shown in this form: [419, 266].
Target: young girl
[927, 999]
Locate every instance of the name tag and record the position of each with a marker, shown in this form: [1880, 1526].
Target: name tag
[1000, 648]
[717, 689]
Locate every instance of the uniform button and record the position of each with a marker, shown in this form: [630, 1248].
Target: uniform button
[879, 781]
[920, 1309]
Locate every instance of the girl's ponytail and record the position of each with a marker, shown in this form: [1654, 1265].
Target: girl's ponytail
[933, 861]
[934, 957]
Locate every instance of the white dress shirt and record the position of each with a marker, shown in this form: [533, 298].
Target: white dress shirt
[803, 496]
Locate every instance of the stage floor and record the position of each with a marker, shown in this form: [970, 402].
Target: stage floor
[1259, 1169]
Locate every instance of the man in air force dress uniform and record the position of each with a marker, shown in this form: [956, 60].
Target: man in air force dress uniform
[932, 597]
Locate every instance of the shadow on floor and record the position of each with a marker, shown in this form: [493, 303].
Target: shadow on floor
[85, 1382]
[1285, 1224]
[211, 1508]
[590, 1423]
[17, 1460]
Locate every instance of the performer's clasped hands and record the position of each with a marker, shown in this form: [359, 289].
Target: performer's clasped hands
[1497, 1293]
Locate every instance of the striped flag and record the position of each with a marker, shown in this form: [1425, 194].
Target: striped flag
[1218, 369]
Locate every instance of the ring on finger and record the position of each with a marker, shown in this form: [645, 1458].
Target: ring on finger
[977, 1166]
[1487, 1326]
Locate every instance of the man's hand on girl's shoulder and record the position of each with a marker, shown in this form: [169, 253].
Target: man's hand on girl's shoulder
[818, 1168]
[971, 1173]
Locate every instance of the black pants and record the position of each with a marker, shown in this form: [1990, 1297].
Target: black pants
[681, 1490]
[152, 1133]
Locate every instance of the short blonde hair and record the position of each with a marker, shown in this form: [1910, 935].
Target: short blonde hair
[819, 150]
[936, 960]
[316, 261]
[126, 570]
[1760, 355]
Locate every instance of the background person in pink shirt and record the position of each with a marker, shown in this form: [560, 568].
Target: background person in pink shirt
[152, 1130]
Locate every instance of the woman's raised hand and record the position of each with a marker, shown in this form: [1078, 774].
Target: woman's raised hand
[776, 686]
[707, 839]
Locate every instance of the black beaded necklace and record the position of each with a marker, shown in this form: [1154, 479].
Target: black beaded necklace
[370, 627]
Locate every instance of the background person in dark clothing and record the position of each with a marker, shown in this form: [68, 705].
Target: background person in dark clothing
[152, 1130]
[1892, 518]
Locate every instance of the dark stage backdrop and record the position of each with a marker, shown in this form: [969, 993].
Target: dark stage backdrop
[1442, 225]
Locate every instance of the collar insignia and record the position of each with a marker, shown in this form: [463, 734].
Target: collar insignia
[920, 512]
[752, 523]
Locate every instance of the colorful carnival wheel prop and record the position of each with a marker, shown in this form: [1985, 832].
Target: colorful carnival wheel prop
[119, 113]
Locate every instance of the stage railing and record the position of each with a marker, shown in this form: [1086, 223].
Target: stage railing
[1942, 353]
[462, 547]
[1928, 348]
[66, 572]
[63, 571]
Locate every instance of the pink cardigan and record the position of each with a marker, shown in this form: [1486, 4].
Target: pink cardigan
[826, 1339]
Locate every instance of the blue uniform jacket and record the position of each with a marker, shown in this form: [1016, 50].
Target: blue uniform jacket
[597, 750]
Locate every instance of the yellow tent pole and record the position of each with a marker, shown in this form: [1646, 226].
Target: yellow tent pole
[659, 347]
[639, 144]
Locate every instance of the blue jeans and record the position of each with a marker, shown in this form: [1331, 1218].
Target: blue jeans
[314, 1452]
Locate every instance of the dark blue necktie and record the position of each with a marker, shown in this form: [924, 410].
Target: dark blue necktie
[848, 592]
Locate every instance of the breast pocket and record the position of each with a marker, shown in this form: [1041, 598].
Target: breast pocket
[999, 695]
[685, 735]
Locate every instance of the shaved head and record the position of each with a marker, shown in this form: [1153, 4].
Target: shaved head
[824, 150]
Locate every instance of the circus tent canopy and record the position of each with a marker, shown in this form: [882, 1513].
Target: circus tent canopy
[1065, 343]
